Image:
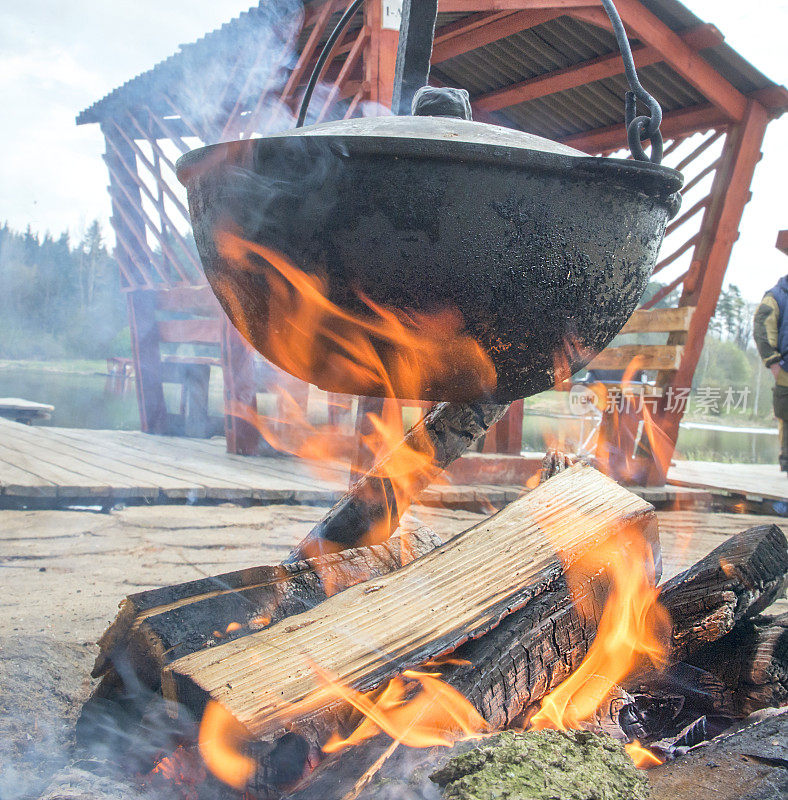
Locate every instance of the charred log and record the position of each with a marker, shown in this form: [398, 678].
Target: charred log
[428, 609]
[745, 671]
[739, 579]
[368, 512]
[158, 626]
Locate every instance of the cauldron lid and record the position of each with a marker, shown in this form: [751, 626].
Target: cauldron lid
[461, 140]
[433, 129]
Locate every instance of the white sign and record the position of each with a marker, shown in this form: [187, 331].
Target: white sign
[392, 14]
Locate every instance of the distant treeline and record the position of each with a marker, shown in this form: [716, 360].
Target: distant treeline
[60, 299]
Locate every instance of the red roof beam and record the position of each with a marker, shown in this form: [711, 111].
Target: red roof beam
[470, 6]
[479, 30]
[681, 57]
[590, 71]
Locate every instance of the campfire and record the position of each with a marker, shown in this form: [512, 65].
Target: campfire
[368, 657]
[322, 677]
[473, 269]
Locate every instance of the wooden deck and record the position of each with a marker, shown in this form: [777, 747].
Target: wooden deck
[756, 483]
[57, 467]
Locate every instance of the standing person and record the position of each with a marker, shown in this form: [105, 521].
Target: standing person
[770, 331]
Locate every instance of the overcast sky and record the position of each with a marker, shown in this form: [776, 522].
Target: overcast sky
[59, 56]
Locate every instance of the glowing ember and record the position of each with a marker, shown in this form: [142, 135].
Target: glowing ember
[182, 771]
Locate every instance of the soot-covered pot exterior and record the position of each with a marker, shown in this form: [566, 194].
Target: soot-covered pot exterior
[544, 251]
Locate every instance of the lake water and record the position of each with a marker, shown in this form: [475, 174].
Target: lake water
[98, 402]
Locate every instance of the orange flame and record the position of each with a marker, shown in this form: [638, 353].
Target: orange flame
[641, 756]
[383, 352]
[221, 741]
[435, 715]
[634, 627]
[379, 351]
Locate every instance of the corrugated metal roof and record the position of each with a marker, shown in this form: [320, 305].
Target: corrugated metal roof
[557, 44]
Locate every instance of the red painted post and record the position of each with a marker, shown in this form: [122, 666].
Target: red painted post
[240, 392]
[719, 231]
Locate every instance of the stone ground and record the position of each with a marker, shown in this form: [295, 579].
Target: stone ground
[64, 572]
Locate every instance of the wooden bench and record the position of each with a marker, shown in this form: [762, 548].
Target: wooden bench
[623, 445]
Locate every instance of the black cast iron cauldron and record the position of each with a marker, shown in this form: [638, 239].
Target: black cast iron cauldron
[544, 250]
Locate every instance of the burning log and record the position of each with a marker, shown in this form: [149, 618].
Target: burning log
[515, 665]
[380, 629]
[158, 626]
[740, 578]
[370, 511]
[507, 671]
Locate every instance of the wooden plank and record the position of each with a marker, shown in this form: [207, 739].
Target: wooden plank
[194, 331]
[196, 299]
[208, 479]
[42, 445]
[647, 356]
[479, 30]
[226, 478]
[659, 320]
[692, 67]
[214, 449]
[201, 477]
[15, 481]
[753, 480]
[213, 458]
[115, 463]
[595, 69]
[68, 482]
[418, 612]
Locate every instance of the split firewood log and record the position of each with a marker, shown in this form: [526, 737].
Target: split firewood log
[369, 512]
[372, 632]
[515, 665]
[160, 625]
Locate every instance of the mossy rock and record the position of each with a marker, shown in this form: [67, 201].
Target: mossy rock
[543, 765]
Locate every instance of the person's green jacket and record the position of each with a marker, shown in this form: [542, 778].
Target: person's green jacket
[764, 331]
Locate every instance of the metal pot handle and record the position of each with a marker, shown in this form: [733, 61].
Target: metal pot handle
[414, 52]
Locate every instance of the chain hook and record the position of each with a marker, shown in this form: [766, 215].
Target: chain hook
[640, 128]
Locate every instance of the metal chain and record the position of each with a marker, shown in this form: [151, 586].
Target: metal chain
[639, 128]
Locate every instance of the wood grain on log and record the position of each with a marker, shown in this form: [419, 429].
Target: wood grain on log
[459, 591]
[369, 508]
[157, 626]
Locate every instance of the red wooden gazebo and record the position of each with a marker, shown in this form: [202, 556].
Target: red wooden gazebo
[550, 67]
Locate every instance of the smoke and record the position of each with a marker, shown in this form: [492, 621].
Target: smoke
[238, 62]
